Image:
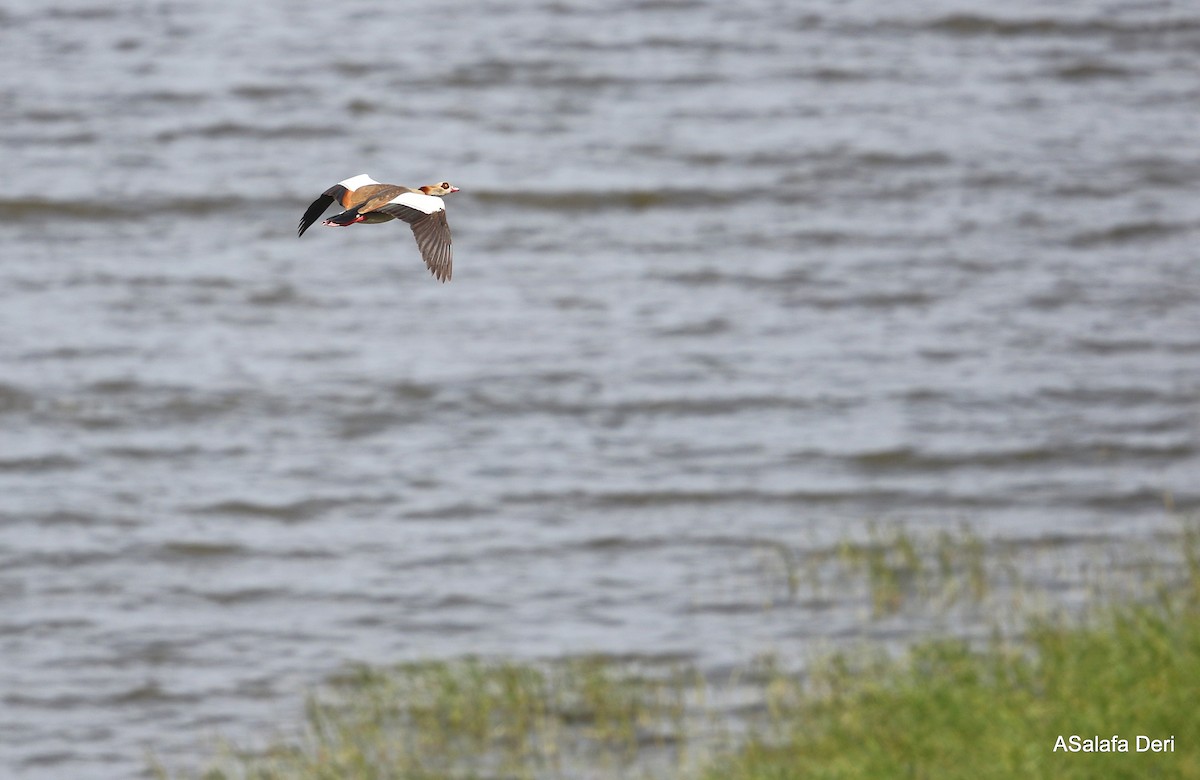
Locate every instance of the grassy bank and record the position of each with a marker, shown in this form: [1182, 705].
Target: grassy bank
[945, 709]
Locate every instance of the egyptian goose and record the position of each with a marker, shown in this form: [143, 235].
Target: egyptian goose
[368, 201]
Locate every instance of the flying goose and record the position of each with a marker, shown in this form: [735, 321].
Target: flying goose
[366, 200]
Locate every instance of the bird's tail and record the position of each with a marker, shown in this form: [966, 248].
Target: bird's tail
[348, 217]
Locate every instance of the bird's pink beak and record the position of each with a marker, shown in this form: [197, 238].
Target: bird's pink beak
[454, 189]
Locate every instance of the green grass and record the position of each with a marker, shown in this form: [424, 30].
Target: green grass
[950, 711]
[899, 568]
[472, 718]
[944, 709]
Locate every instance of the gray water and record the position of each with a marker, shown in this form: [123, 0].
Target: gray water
[729, 278]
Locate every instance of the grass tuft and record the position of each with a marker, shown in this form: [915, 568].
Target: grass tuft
[946, 708]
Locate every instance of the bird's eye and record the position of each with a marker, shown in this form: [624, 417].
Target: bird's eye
[445, 185]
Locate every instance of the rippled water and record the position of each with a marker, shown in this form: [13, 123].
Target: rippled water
[728, 278]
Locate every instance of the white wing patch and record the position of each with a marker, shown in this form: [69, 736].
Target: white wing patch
[354, 182]
[427, 204]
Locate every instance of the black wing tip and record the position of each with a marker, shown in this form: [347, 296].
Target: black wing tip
[316, 209]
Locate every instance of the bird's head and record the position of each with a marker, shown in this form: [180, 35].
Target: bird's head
[445, 188]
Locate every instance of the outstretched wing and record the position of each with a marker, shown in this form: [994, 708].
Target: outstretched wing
[342, 192]
[426, 215]
[317, 209]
